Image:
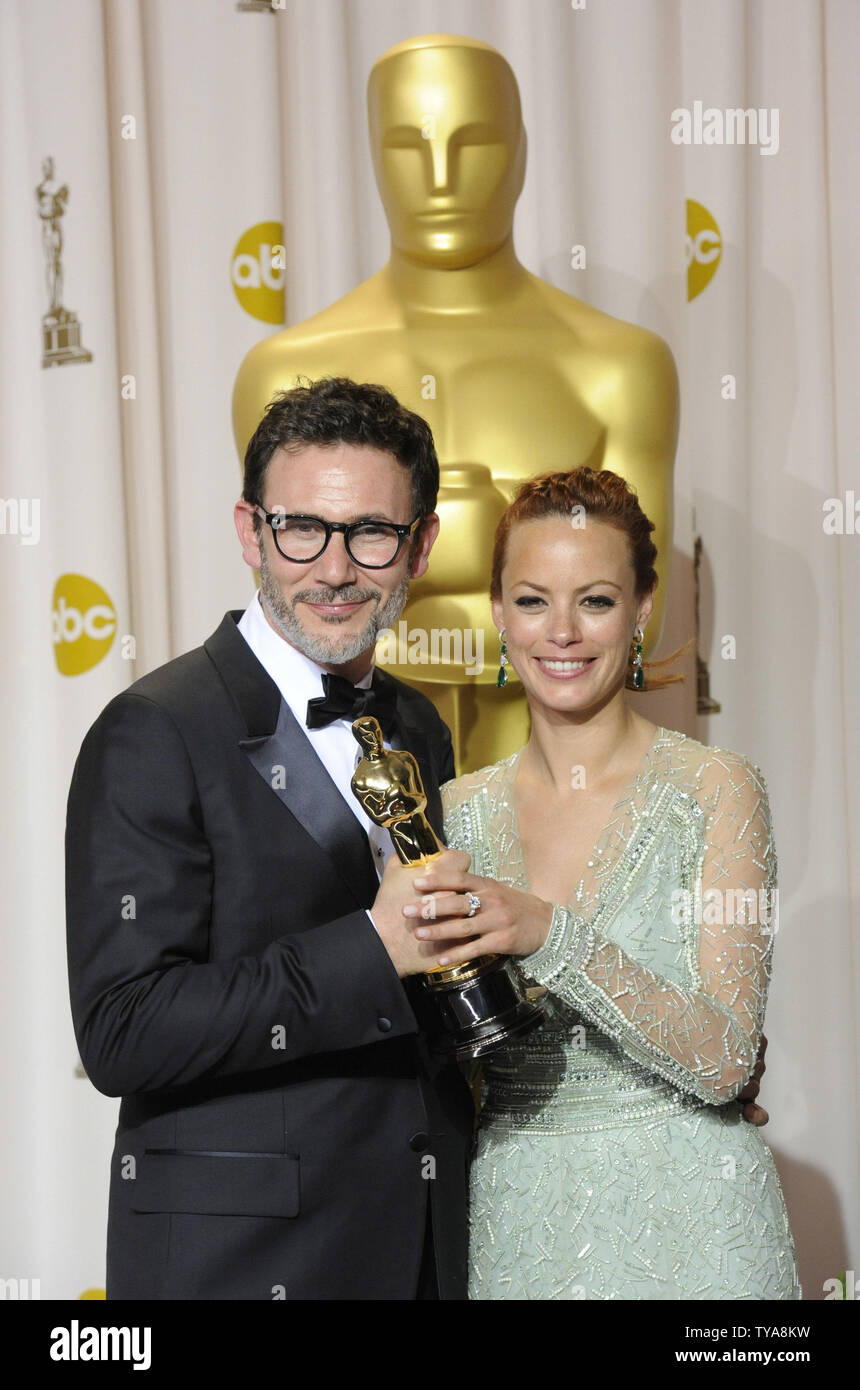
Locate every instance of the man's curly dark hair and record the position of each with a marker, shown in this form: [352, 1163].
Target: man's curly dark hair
[336, 410]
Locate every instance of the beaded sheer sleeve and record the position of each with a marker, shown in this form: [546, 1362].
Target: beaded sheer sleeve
[698, 1026]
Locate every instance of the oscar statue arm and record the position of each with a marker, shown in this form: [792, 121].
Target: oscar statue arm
[415, 783]
[642, 441]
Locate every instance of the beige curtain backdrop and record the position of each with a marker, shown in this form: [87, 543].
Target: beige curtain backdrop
[177, 128]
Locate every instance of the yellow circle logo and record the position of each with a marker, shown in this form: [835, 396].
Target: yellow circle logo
[257, 271]
[704, 248]
[83, 621]
[91, 1294]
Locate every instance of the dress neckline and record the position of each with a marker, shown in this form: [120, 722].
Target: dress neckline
[596, 858]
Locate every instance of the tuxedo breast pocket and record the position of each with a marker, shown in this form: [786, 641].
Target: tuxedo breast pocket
[217, 1183]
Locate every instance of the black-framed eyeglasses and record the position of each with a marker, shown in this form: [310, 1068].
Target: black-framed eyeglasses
[374, 545]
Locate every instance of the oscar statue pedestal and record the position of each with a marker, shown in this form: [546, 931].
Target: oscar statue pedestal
[61, 339]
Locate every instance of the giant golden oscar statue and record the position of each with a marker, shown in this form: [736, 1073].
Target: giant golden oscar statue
[514, 376]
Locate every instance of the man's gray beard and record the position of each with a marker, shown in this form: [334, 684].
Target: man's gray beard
[328, 651]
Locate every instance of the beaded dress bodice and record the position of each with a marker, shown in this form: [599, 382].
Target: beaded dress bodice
[658, 966]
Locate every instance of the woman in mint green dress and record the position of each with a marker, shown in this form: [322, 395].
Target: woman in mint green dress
[632, 871]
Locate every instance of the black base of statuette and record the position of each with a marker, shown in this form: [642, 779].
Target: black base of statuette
[482, 1006]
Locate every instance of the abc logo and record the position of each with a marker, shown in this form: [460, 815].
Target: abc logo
[257, 271]
[704, 248]
[83, 621]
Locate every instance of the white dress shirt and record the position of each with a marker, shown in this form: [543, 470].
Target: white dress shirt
[299, 679]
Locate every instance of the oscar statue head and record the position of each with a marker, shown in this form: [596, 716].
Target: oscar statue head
[368, 733]
[449, 147]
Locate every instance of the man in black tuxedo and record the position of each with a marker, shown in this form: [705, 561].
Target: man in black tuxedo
[241, 971]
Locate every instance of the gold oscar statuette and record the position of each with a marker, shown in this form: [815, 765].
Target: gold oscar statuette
[61, 329]
[483, 1003]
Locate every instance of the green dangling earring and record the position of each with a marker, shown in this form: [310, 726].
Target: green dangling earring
[502, 677]
[638, 673]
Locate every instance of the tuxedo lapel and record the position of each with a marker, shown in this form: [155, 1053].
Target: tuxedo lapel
[281, 753]
[251, 688]
[288, 763]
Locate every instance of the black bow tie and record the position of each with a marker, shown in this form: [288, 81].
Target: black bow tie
[343, 700]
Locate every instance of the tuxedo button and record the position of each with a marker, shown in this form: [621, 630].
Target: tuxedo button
[383, 1024]
[420, 1142]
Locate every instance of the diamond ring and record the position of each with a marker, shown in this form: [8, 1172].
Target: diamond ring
[474, 904]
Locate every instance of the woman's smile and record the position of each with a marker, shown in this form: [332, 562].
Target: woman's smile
[564, 669]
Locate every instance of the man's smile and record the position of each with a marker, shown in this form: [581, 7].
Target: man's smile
[337, 609]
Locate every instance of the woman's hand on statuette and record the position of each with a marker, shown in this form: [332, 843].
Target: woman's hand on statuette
[507, 923]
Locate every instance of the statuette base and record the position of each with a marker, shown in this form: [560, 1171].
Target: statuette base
[488, 1010]
[61, 340]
